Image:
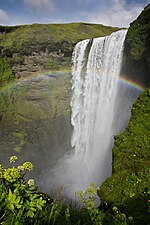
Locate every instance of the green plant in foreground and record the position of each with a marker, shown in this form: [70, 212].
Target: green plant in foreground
[88, 199]
[22, 204]
[19, 199]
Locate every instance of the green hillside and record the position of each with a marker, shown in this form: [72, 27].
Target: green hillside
[20, 36]
[38, 48]
[129, 186]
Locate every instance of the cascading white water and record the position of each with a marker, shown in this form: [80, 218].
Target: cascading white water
[95, 72]
[93, 98]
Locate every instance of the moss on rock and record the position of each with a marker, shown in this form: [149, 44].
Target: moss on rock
[136, 66]
[129, 185]
[138, 35]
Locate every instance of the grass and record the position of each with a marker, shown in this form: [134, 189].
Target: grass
[51, 33]
[39, 47]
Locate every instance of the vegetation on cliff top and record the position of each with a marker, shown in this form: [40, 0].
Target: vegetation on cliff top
[44, 34]
[39, 36]
[138, 35]
[38, 48]
[129, 185]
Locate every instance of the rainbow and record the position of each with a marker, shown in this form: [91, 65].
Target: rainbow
[123, 80]
[131, 83]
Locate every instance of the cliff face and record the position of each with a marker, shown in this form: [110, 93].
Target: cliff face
[129, 186]
[37, 48]
[136, 64]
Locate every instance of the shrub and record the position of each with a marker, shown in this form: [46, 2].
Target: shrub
[5, 71]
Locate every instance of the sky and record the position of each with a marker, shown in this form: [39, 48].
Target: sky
[118, 13]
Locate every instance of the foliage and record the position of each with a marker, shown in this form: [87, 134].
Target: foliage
[138, 35]
[17, 59]
[129, 186]
[5, 71]
[19, 200]
[21, 203]
[88, 198]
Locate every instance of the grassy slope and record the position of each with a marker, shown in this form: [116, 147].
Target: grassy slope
[42, 47]
[129, 185]
[47, 33]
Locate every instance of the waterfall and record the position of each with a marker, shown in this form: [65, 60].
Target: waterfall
[94, 87]
[95, 76]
